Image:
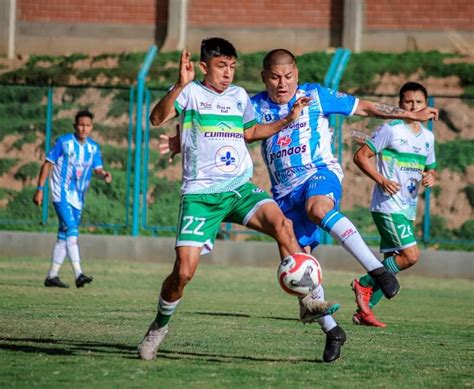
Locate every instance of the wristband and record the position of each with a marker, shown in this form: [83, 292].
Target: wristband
[40, 188]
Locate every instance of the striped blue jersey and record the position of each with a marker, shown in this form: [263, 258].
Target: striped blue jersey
[303, 147]
[73, 166]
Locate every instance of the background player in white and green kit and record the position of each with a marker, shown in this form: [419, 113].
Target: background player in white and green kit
[216, 121]
[405, 160]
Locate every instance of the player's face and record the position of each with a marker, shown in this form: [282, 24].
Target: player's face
[413, 101]
[281, 82]
[218, 72]
[83, 128]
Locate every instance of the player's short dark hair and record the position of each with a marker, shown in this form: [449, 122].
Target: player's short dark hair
[272, 57]
[412, 86]
[216, 47]
[83, 113]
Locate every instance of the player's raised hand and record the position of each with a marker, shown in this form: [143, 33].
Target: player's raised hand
[428, 179]
[297, 108]
[38, 197]
[426, 114]
[389, 187]
[186, 68]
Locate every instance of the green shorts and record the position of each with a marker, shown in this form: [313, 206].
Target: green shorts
[396, 231]
[202, 214]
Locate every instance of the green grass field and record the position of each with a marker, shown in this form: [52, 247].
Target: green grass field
[234, 328]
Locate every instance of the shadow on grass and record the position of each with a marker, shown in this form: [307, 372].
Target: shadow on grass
[77, 348]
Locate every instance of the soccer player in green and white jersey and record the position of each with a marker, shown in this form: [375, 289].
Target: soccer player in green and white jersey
[216, 120]
[405, 158]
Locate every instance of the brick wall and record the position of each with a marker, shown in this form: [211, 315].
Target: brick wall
[94, 11]
[419, 15]
[321, 14]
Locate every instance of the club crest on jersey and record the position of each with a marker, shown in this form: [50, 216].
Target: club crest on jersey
[227, 159]
[412, 187]
[267, 118]
[240, 106]
[284, 141]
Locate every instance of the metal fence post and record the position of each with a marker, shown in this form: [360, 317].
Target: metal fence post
[47, 146]
[427, 214]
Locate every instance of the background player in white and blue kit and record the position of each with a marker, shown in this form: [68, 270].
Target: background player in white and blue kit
[305, 175]
[72, 161]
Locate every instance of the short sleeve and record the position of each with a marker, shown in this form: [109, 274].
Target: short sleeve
[55, 152]
[334, 102]
[97, 161]
[431, 158]
[182, 100]
[380, 139]
[248, 113]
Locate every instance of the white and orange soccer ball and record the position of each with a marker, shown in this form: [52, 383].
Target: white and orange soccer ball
[299, 274]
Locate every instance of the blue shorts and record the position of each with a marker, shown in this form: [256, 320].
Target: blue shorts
[322, 183]
[69, 219]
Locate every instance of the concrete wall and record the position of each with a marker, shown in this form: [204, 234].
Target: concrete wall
[452, 264]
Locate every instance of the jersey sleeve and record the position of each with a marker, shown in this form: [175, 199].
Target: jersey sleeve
[431, 157]
[55, 152]
[97, 161]
[248, 113]
[380, 139]
[181, 101]
[334, 102]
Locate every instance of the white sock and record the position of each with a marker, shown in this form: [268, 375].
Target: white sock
[167, 308]
[73, 252]
[327, 323]
[342, 229]
[59, 254]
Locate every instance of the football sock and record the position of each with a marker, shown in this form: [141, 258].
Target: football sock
[73, 252]
[377, 294]
[59, 254]
[327, 323]
[165, 310]
[342, 230]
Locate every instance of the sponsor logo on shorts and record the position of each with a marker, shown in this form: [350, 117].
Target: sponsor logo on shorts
[226, 159]
[257, 190]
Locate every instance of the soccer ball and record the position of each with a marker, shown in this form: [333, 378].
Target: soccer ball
[299, 274]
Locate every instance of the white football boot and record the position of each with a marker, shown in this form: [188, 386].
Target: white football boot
[150, 344]
[313, 307]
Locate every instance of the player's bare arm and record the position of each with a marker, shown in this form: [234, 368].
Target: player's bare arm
[104, 175]
[386, 111]
[43, 176]
[164, 110]
[264, 131]
[362, 158]
[429, 178]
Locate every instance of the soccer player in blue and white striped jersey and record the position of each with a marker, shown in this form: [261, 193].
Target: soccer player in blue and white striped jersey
[305, 175]
[72, 160]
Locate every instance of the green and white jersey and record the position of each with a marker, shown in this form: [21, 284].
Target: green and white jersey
[215, 155]
[402, 156]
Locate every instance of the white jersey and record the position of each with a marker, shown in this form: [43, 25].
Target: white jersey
[302, 148]
[402, 156]
[215, 155]
[73, 165]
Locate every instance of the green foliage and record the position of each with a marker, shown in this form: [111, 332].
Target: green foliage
[114, 155]
[469, 191]
[27, 138]
[120, 103]
[362, 219]
[28, 171]
[21, 207]
[439, 229]
[163, 210]
[6, 164]
[466, 231]
[455, 155]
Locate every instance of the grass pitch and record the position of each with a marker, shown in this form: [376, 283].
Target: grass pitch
[234, 328]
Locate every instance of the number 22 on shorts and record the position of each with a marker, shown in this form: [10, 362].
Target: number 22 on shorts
[192, 225]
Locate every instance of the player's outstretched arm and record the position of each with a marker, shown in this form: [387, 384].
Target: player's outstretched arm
[362, 160]
[43, 176]
[164, 110]
[264, 131]
[385, 111]
[104, 175]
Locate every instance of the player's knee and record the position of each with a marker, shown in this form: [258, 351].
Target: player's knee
[318, 211]
[283, 229]
[410, 256]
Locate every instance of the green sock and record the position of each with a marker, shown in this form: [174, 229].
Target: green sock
[390, 264]
[367, 281]
[165, 310]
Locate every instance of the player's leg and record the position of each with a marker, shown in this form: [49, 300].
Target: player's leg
[58, 256]
[256, 212]
[323, 196]
[200, 218]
